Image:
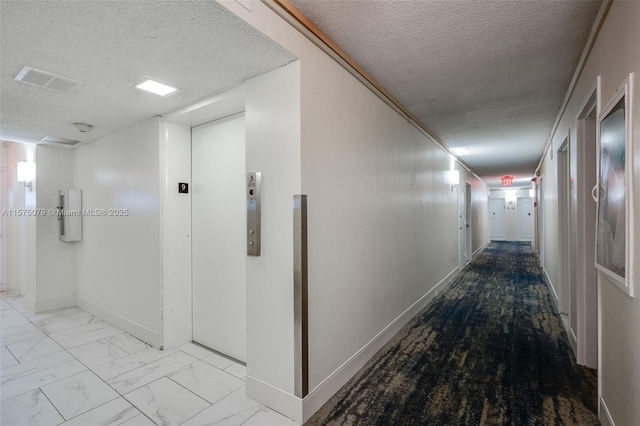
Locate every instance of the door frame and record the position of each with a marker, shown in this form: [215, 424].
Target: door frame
[3, 235]
[586, 276]
[564, 225]
[540, 219]
[464, 224]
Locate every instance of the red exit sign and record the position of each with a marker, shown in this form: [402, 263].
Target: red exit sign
[507, 180]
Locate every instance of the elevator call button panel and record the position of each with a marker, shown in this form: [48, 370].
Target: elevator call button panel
[254, 181]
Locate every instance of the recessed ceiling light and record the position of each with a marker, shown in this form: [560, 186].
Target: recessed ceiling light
[56, 139]
[155, 87]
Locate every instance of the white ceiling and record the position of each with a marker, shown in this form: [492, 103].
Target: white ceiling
[198, 46]
[486, 77]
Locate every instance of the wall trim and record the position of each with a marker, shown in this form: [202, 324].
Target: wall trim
[141, 332]
[283, 402]
[30, 304]
[12, 291]
[552, 290]
[476, 253]
[573, 340]
[605, 415]
[332, 384]
[49, 305]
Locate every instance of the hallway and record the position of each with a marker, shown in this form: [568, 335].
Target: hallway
[394, 142]
[490, 349]
[68, 367]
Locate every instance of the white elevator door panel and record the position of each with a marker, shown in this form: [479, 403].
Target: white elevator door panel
[219, 231]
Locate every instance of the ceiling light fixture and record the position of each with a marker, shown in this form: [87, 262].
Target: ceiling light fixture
[153, 86]
[26, 173]
[454, 178]
[56, 139]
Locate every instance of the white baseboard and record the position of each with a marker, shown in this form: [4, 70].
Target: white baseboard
[573, 340]
[552, 290]
[475, 254]
[274, 398]
[49, 305]
[11, 292]
[143, 333]
[30, 304]
[332, 384]
[605, 415]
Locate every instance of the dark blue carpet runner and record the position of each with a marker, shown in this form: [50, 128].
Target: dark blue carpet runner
[490, 350]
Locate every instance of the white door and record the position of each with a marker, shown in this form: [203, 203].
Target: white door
[496, 218]
[218, 173]
[524, 209]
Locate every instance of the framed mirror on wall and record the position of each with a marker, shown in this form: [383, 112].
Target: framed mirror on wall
[613, 190]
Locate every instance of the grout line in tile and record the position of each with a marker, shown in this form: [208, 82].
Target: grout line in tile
[206, 408]
[254, 414]
[184, 387]
[14, 357]
[193, 393]
[124, 395]
[53, 405]
[136, 407]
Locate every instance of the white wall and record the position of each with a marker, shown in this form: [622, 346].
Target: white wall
[614, 55]
[379, 200]
[19, 230]
[382, 219]
[55, 260]
[273, 147]
[37, 263]
[479, 214]
[175, 157]
[118, 261]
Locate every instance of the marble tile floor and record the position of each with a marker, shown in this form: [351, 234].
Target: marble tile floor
[67, 367]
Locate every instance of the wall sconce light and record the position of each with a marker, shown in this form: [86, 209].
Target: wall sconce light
[26, 173]
[454, 178]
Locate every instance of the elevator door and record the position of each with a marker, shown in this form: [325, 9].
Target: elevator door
[219, 229]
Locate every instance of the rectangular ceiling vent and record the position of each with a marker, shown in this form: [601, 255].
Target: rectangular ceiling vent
[55, 139]
[44, 79]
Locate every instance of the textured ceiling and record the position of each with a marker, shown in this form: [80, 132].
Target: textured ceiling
[198, 46]
[486, 77]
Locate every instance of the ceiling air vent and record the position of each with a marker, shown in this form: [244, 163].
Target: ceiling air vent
[45, 79]
[55, 139]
